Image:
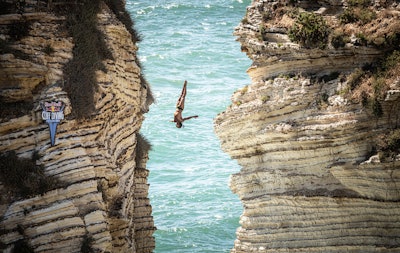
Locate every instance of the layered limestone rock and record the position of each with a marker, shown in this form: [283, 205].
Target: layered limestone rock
[311, 178]
[100, 199]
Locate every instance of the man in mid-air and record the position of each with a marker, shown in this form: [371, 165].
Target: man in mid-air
[180, 105]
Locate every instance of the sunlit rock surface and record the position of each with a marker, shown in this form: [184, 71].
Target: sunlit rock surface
[101, 201]
[311, 179]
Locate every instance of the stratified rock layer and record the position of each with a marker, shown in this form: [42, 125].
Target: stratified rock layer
[102, 200]
[309, 181]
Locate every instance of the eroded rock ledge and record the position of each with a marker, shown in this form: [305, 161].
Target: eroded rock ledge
[100, 201]
[313, 177]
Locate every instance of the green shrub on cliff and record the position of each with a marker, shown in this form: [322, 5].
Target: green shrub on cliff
[22, 246]
[89, 52]
[118, 8]
[388, 145]
[310, 30]
[393, 141]
[48, 49]
[87, 244]
[391, 61]
[339, 39]
[370, 84]
[357, 11]
[19, 29]
[355, 78]
[143, 147]
[22, 177]
[353, 15]
[6, 8]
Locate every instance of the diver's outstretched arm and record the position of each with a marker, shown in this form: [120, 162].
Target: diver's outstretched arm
[195, 116]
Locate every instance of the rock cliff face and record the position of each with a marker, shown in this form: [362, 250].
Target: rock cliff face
[316, 132]
[89, 191]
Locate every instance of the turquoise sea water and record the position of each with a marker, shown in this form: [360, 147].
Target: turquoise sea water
[193, 207]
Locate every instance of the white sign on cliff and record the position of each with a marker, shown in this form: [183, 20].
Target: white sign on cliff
[53, 113]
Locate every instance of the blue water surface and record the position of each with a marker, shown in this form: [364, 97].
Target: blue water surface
[193, 207]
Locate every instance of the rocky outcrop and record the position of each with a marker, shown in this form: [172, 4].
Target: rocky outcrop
[99, 200]
[314, 176]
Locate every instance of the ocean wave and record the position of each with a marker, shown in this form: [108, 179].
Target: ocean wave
[189, 173]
